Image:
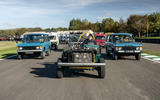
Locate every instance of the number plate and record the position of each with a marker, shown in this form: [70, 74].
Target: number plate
[29, 53]
[129, 51]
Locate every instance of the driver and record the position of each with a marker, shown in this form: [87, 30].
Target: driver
[89, 40]
[126, 39]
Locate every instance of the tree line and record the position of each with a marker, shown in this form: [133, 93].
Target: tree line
[19, 31]
[139, 25]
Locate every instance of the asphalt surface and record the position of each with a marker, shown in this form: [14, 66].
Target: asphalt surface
[151, 47]
[35, 79]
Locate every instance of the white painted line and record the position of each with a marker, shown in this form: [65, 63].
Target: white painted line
[8, 57]
[151, 60]
[150, 56]
[156, 58]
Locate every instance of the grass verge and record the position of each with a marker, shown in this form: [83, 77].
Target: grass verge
[8, 52]
[151, 52]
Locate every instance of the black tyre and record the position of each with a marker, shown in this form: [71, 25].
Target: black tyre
[48, 52]
[43, 54]
[138, 56]
[56, 47]
[60, 74]
[114, 56]
[20, 57]
[101, 72]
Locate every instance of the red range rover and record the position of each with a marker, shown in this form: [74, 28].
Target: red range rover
[100, 39]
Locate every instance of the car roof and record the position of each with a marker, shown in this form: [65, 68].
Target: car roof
[38, 33]
[99, 34]
[121, 34]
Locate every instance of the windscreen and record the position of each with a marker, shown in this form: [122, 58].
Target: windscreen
[122, 38]
[33, 39]
[100, 37]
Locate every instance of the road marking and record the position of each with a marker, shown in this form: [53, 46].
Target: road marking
[8, 57]
[151, 57]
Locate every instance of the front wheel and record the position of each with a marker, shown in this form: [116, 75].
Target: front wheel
[20, 57]
[42, 55]
[138, 56]
[114, 56]
[101, 72]
[48, 52]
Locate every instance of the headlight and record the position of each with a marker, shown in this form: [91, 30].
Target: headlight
[137, 48]
[140, 48]
[117, 48]
[37, 47]
[40, 47]
[120, 48]
[19, 48]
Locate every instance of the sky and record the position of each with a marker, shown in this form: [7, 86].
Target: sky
[58, 13]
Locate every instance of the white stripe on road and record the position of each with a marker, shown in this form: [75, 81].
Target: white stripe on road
[156, 58]
[151, 57]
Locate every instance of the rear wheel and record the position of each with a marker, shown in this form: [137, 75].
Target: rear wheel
[138, 56]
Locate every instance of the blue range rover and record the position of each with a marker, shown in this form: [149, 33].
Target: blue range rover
[37, 44]
[122, 44]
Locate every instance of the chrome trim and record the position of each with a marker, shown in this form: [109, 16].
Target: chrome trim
[29, 50]
[81, 64]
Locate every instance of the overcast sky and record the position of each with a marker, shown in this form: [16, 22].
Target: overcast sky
[58, 13]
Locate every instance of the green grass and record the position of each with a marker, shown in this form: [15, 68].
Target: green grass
[151, 52]
[148, 38]
[7, 48]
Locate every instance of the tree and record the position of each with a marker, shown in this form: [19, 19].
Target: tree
[136, 24]
[107, 25]
[154, 23]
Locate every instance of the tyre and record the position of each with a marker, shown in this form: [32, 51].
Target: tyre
[101, 72]
[102, 60]
[114, 56]
[20, 57]
[55, 47]
[43, 54]
[59, 74]
[48, 52]
[138, 56]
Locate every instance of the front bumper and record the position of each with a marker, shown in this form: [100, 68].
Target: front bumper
[81, 64]
[24, 51]
[101, 44]
[129, 51]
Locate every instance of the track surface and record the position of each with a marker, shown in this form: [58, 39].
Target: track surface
[35, 79]
[151, 47]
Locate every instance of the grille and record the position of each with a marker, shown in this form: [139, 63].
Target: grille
[128, 48]
[82, 57]
[29, 48]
